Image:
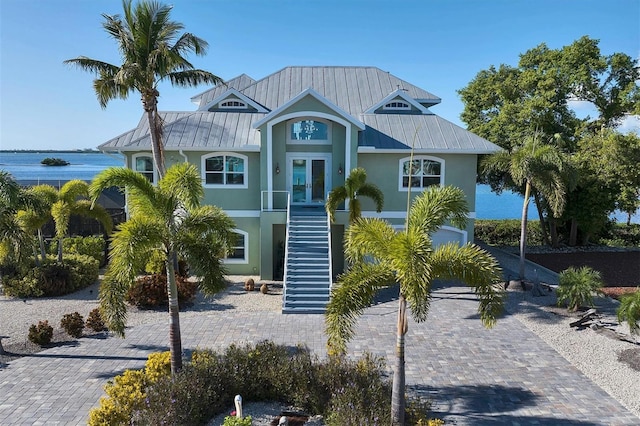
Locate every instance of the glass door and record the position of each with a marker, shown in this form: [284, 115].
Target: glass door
[307, 179]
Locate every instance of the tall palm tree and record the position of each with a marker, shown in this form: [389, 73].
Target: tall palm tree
[538, 167]
[354, 186]
[72, 200]
[13, 237]
[166, 218]
[381, 257]
[152, 50]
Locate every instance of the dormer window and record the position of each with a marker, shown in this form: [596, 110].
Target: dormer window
[397, 106]
[232, 104]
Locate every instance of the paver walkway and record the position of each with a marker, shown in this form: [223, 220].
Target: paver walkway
[506, 375]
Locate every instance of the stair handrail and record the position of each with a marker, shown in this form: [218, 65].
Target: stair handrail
[330, 252]
[286, 251]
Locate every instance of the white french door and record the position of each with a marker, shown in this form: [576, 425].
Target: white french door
[308, 177]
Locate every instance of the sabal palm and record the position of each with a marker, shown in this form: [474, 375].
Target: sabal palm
[152, 50]
[534, 166]
[355, 186]
[166, 218]
[72, 200]
[409, 259]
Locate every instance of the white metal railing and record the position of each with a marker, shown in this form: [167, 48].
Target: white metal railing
[286, 250]
[330, 252]
[281, 199]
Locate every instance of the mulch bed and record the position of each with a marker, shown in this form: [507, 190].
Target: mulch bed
[618, 268]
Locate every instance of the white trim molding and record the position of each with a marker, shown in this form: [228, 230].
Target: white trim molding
[244, 247]
[420, 188]
[224, 172]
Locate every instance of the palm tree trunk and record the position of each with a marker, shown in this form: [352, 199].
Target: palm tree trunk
[543, 223]
[573, 232]
[60, 240]
[150, 104]
[43, 251]
[397, 395]
[523, 229]
[175, 340]
[553, 227]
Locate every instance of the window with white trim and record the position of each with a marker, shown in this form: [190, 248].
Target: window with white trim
[308, 131]
[397, 105]
[422, 171]
[143, 163]
[225, 170]
[232, 104]
[239, 252]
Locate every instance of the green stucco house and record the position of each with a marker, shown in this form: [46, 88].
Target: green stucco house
[270, 150]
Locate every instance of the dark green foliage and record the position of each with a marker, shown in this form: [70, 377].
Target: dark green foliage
[72, 324]
[95, 322]
[576, 287]
[156, 265]
[150, 291]
[52, 278]
[50, 161]
[621, 235]
[337, 388]
[41, 334]
[506, 232]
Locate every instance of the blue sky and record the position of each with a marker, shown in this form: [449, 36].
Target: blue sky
[437, 45]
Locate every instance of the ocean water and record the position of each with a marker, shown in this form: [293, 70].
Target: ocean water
[26, 167]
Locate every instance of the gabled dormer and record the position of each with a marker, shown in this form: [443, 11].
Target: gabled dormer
[233, 101]
[398, 102]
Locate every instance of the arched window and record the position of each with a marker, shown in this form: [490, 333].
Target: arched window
[420, 173]
[143, 163]
[397, 105]
[308, 131]
[225, 170]
[232, 104]
[239, 252]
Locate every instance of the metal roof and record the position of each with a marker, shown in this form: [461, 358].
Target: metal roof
[355, 91]
[427, 133]
[199, 130]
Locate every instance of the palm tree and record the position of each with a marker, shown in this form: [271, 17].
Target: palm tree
[538, 167]
[36, 215]
[13, 238]
[71, 200]
[380, 257]
[152, 50]
[166, 218]
[354, 186]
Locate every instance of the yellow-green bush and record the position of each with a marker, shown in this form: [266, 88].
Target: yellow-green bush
[126, 393]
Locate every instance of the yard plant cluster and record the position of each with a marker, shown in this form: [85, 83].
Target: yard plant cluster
[343, 391]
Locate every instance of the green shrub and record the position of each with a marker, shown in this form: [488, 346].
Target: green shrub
[73, 324]
[629, 311]
[41, 334]
[621, 235]
[237, 421]
[506, 232]
[87, 246]
[576, 287]
[95, 322]
[150, 291]
[54, 279]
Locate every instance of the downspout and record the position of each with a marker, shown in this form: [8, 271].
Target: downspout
[186, 159]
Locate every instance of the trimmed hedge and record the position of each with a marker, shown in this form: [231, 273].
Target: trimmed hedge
[506, 232]
[88, 246]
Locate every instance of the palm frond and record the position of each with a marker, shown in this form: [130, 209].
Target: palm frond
[193, 77]
[476, 268]
[368, 237]
[142, 192]
[112, 295]
[353, 292]
[372, 191]
[73, 189]
[436, 206]
[182, 182]
[95, 211]
[336, 197]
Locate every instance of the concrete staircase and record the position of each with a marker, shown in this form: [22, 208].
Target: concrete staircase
[307, 276]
